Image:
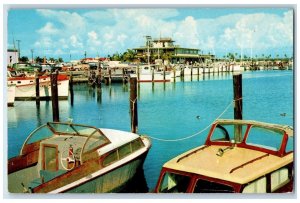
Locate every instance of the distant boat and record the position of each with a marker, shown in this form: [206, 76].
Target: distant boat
[11, 91]
[25, 86]
[65, 157]
[238, 156]
[149, 73]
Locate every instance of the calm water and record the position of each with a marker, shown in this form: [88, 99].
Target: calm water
[166, 111]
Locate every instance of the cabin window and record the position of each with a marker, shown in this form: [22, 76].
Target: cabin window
[205, 186]
[258, 186]
[174, 183]
[112, 157]
[265, 138]
[124, 150]
[137, 144]
[279, 178]
[226, 133]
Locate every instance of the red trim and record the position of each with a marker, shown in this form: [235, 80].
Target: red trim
[194, 178]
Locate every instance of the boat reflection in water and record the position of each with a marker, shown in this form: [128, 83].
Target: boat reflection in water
[238, 156]
[66, 157]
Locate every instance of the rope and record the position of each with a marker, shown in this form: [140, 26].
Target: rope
[193, 135]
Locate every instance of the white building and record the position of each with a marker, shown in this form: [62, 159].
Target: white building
[12, 56]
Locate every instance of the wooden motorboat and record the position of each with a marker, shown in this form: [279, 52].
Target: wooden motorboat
[66, 157]
[239, 156]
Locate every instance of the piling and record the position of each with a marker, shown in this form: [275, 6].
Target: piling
[133, 104]
[123, 75]
[71, 88]
[54, 96]
[152, 75]
[37, 88]
[238, 105]
[109, 79]
[191, 71]
[99, 76]
[164, 73]
[174, 74]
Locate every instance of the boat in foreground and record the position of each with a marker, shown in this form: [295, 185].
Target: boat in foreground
[238, 156]
[66, 157]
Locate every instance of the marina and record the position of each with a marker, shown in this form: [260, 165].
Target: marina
[149, 100]
[194, 103]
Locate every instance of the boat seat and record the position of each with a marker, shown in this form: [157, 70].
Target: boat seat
[45, 176]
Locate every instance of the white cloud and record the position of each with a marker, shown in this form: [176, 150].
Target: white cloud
[48, 29]
[114, 30]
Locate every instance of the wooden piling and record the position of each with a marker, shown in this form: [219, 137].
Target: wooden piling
[164, 73]
[99, 77]
[152, 75]
[123, 75]
[37, 88]
[133, 104]
[238, 105]
[54, 96]
[109, 79]
[71, 88]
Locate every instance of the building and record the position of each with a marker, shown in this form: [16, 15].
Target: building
[164, 48]
[12, 56]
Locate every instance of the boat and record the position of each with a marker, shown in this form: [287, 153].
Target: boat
[25, 86]
[152, 73]
[11, 94]
[238, 156]
[72, 158]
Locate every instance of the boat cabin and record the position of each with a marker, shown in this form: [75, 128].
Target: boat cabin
[238, 156]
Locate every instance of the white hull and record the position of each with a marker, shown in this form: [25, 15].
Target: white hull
[28, 90]
[158, 77]
[11, 89]
[109, 182]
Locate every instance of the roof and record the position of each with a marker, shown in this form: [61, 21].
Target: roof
[237, 165]
[117, 138]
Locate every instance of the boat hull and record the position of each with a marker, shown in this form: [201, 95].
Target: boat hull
[112, 181]
[11, 89]
[158, 77]
[24, 92]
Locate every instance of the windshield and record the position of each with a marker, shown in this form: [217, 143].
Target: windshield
[95, 138]
[229, 133]
[264, 137]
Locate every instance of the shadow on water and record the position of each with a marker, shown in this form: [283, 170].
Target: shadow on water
[137, 184]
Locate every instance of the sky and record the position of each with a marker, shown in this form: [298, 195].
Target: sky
[69, 32]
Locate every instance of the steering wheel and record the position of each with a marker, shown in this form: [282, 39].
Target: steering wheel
[67, 159]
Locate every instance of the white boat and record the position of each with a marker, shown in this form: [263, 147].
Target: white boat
[149, 73]
[11, 94]
[25, 86]
[238, 156]
[66, 157]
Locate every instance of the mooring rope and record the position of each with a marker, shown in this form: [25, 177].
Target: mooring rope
[197, 133]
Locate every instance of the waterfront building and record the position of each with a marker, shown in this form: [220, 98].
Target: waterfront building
[164, 48]
[12, 56]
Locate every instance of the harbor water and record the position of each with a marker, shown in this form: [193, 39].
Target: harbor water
[172, 114]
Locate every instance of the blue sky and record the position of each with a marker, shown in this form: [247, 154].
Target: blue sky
[102, 31]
